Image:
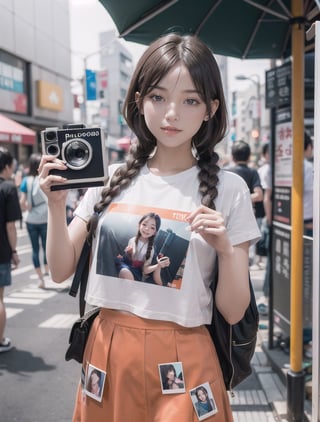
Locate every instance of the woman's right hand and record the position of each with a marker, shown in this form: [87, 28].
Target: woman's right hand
[163, 261]
[47, 180]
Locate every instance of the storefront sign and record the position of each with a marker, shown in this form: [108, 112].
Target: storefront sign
[50, 96]
[278, 86]
[13, 90]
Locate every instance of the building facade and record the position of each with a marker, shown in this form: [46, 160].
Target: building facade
[35, 68]
[117, 61]
[250, 120]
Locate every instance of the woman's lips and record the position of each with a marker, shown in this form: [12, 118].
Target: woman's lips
[170, 129]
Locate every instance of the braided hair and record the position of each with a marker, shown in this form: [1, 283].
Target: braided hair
[158, 59]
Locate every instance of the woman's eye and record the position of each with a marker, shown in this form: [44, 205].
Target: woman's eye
[156, 97]
[192, 101]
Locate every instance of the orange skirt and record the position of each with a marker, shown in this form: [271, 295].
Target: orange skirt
[127, 350]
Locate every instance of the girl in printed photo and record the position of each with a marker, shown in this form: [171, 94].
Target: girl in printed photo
[136, 262]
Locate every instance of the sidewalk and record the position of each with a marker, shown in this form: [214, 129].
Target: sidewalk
[269, 376]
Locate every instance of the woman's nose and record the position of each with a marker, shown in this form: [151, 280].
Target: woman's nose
[172, 112]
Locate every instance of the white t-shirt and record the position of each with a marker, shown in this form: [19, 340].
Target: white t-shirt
[188, 300]
[264, 171]
[37, 201]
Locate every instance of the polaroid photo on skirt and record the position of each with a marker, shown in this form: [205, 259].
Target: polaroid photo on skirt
[203, 401]
[94, 383]
[171, 378]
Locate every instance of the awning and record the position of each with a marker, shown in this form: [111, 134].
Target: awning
[14, 133]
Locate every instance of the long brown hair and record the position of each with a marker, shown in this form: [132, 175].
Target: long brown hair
[154, 64]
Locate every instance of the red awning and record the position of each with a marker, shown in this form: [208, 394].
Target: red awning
[13, 132]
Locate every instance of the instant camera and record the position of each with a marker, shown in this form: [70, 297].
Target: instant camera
[83, 151]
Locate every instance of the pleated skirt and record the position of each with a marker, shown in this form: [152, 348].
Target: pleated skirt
[128, 352]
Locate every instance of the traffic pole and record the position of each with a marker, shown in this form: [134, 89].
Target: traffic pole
[295, 376]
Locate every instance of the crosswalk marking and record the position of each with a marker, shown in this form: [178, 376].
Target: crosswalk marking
[11, 312]
[40, 294]
[22, 301]
[59, 321]
[31, 294]
[22, 270]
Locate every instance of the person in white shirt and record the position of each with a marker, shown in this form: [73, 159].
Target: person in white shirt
[175, 106]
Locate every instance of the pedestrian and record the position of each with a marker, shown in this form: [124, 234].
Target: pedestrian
[263, 170]
[175, 106]
[241, 152]
[34, 202]
[10, 212]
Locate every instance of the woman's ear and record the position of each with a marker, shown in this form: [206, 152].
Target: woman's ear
[214, 108]
[138, 102]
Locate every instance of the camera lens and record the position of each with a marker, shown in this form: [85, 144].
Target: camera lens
[53, 149]
[51, 136]
[77, 153]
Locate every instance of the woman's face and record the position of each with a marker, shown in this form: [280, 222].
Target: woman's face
[202, 396]
[174, 110]
[170, 375]
[95, 384]
[148, 228]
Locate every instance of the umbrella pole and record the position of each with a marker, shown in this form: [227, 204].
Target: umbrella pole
[295, 376]
[316, 240]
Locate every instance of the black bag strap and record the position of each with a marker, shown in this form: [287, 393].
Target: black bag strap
[80, 277]
[31, 193]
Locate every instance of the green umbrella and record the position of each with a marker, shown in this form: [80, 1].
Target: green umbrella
[239, 28]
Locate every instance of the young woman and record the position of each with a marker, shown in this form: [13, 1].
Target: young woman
[34, 202]
[175, 106]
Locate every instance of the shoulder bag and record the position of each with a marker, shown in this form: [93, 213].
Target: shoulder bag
[235, 344]
[81, 328]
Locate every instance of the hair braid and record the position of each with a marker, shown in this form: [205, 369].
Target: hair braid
[209, 179]
[150, 245]
[121, 179]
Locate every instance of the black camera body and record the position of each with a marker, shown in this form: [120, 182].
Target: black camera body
[82, 150]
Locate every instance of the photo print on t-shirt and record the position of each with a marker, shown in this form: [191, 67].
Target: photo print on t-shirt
[143, 244]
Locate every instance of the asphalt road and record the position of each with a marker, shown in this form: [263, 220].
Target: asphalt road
[37, 384]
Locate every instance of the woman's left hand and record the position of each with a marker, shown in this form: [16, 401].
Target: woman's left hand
[210, 225]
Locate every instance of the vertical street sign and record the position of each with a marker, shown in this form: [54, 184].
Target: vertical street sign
[91, 85]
